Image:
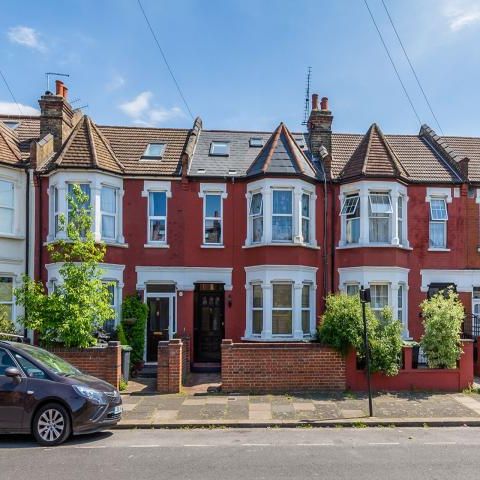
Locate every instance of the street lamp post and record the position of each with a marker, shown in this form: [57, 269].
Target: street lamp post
[364, 299]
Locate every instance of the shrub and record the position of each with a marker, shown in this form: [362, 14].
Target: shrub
[6, 325]
[80, 304]
[342, 329]
[133, 307]
[120, 334]
[442, 320]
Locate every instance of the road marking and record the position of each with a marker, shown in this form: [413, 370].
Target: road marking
[87, 446]
[384, 443]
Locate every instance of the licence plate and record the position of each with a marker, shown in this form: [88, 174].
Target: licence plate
[117, 410]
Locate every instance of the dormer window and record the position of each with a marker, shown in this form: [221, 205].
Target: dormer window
[220, 149]
[256, 142]
[11, 124]
[154, 151]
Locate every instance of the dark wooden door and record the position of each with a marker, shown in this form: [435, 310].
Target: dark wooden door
[209, 325]
[157, 326]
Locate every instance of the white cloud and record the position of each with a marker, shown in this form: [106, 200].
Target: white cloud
[11, 108]
[143, 112]
[461, 13]
[115, 83]
[27, 37]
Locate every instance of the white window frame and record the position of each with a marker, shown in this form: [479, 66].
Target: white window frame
[307, 309]
[306, 219]
[283, 215]
[438, 193]
[12, 301]
[267, 275]
[213, 189]
[157, 217]
[437, 221]
[11, 208]
[364, 189]
[353, 285]
[256, 216]
[391, 276]
[256, 309]
[350, 208]
[266, 187]
[146, 156]
[150, 186]
[375, 213]
[284, 309]
[109, 214]
[378, 310]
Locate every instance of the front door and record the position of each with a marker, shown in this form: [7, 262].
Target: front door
[159, 315]
[209, 322]
[12, 396]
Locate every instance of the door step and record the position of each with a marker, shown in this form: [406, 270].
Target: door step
[206, 367]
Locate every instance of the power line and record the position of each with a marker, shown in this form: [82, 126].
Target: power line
[165, 59]
[392, 62]
[411, 67]
[11, 93]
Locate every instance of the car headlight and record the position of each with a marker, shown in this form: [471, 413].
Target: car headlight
[96, 397]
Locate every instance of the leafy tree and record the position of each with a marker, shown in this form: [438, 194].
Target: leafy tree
[134, 308]
[342, 329]
[81, 304]
[442, 320]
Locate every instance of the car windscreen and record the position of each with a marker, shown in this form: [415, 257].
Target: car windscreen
[52, 362]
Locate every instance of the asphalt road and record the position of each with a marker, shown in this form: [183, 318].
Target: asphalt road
[362, 453]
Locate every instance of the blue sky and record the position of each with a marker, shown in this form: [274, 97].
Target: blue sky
[242, 63]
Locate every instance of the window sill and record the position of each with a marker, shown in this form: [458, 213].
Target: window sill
[115, 244]
[286, 244]
[372, 245]
[278, 339]
[439, 249]
[12, 236]
[153, 245]
[206, 245]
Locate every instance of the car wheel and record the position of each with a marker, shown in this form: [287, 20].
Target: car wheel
[51, 425]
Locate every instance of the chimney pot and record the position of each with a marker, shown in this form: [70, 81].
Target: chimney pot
[65, 92]
[59, 88]
[324, 103]
[315, 101]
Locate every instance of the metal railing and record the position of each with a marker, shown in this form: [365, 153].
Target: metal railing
[471, 327]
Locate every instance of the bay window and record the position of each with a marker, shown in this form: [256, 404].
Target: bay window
[352, 289]
[400, 302]
[306, 217]
[306, 308]
[282, 308]
[108, 207]
[380, 215]
[56, 210]
[7, 208]
[438, 223]
[400, 219]
[110, 325]
[282, 216]
[351, 212]
[85, 188]
[157, 217]
[212, 220]
[256, 217]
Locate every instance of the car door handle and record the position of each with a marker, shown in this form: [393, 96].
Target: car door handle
[30, 392]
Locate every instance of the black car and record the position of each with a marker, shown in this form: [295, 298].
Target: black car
[41, 393]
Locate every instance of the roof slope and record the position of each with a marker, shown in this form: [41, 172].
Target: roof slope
[9, 150]
[373, 157]
[129, 144]
[86, 147]
[281, 155]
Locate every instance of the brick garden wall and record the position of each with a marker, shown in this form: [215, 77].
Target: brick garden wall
[169, 368]
[101, 362]
[281, 367]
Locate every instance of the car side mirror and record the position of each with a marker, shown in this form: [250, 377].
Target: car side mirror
[13, 372]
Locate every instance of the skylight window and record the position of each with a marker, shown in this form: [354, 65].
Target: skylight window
[220, 149]
[153, 151]
[11, 124]
[256, 142]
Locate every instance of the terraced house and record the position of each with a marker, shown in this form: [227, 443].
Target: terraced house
[242, 234]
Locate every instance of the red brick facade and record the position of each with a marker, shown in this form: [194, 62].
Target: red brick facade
[280, 367]
[101, 362]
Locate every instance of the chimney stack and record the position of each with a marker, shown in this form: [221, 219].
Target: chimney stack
[320, 127]
[57, 116]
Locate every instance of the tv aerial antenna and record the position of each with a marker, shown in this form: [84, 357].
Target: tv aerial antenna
[307, 97]
[54, 74]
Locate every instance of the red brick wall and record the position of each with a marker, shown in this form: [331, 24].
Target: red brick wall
[101, 362]
[169, 368]
[276, 367]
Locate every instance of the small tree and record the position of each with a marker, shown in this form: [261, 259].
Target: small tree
[342, 329]
[81, 304]
[6, 325]
[442, 321]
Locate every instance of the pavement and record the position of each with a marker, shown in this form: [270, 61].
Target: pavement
[204, 407]
[237, 454]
